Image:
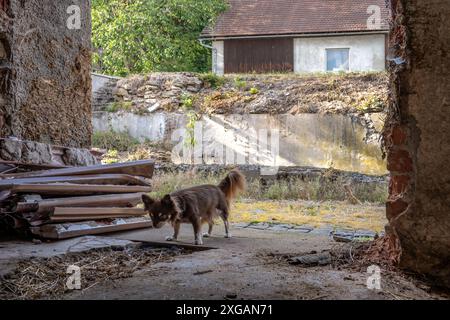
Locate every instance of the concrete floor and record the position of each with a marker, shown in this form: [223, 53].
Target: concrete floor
[239, 268]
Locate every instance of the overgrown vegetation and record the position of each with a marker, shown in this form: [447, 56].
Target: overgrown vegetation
[121, 147]
[212, 80]
[320, 189]
[118, 106]
[240, 84]
[294, 201]
[338, 214]
[112, 140]
[151, 35]
[371, 104]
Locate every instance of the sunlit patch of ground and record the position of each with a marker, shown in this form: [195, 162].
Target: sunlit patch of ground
[316, 214]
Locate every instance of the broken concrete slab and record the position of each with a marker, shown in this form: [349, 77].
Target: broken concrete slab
[241, 225]
[302, 229]
[259, 226]
[310, 260]
[280, 227]
[325, 231]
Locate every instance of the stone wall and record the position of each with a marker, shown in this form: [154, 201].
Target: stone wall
[15, 151]
[102, 90]
[417, 137]
[45, 84]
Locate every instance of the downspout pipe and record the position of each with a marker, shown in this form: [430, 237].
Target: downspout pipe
[214, 52]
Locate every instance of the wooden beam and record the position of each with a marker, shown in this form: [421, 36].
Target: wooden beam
[142, 168]
[83, 214]
[47, 206]
[71, 230]
[86, 211]
[85, 218]
[102, 179]
[67, 189]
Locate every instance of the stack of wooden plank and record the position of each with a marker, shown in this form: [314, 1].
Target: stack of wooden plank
[69, 202]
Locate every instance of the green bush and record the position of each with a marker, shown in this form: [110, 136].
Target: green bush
[212, 80]
[119, 105]
[239, 83]
[254, 90]
[187, 102]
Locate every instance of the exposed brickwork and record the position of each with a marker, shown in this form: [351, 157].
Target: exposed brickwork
[395, 207]
[398, 185]
[416, 137]
[3, 5]
[400, 161]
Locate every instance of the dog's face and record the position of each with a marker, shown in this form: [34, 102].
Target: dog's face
[161, 211]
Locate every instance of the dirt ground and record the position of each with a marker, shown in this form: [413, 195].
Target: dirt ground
[249, 266]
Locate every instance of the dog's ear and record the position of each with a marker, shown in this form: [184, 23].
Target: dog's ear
[167, 201]
[147, 201]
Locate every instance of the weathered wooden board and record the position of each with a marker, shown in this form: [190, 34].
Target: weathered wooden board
[47, 206]
[102, 179]
[71, 230]
[58, 189]
[142, 168]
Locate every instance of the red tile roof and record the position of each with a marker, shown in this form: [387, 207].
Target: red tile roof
[284, 17]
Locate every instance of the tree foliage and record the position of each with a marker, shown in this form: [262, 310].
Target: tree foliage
[135, 36]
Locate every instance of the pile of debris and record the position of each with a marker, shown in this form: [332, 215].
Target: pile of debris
[70, 202]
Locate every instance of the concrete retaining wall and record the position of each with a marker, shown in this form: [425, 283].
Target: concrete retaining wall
[294, 140]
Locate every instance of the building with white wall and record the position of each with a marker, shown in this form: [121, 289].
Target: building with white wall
[299, 36]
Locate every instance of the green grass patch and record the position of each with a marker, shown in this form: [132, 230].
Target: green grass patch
[212, 80]
[112, 140]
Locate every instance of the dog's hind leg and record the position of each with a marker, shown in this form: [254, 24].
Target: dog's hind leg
[210, 222]
[227, 228]
[224, 213]
[224, 216]
[197, 225]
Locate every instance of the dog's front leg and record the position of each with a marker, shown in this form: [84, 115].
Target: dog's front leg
[176, 231]
[197, 225]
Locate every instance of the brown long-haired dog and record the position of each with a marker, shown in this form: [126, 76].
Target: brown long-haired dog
[196, 205]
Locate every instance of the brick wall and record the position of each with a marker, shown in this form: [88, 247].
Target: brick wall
[3, 4]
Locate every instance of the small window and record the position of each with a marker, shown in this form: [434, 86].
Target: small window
[337, 59]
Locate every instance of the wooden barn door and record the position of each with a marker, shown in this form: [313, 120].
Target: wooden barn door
[259, 55]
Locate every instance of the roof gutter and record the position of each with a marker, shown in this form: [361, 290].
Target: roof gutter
[295, 35]
[214, 54]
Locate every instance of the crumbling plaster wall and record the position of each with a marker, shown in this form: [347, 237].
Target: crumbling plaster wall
[417, 137]
[47, 86]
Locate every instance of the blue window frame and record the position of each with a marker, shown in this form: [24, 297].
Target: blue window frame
[337, 59]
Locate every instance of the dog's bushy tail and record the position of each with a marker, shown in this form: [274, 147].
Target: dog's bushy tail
[232, 184]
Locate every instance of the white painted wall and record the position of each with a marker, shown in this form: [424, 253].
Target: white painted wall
[367, 52]
[218, 61]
